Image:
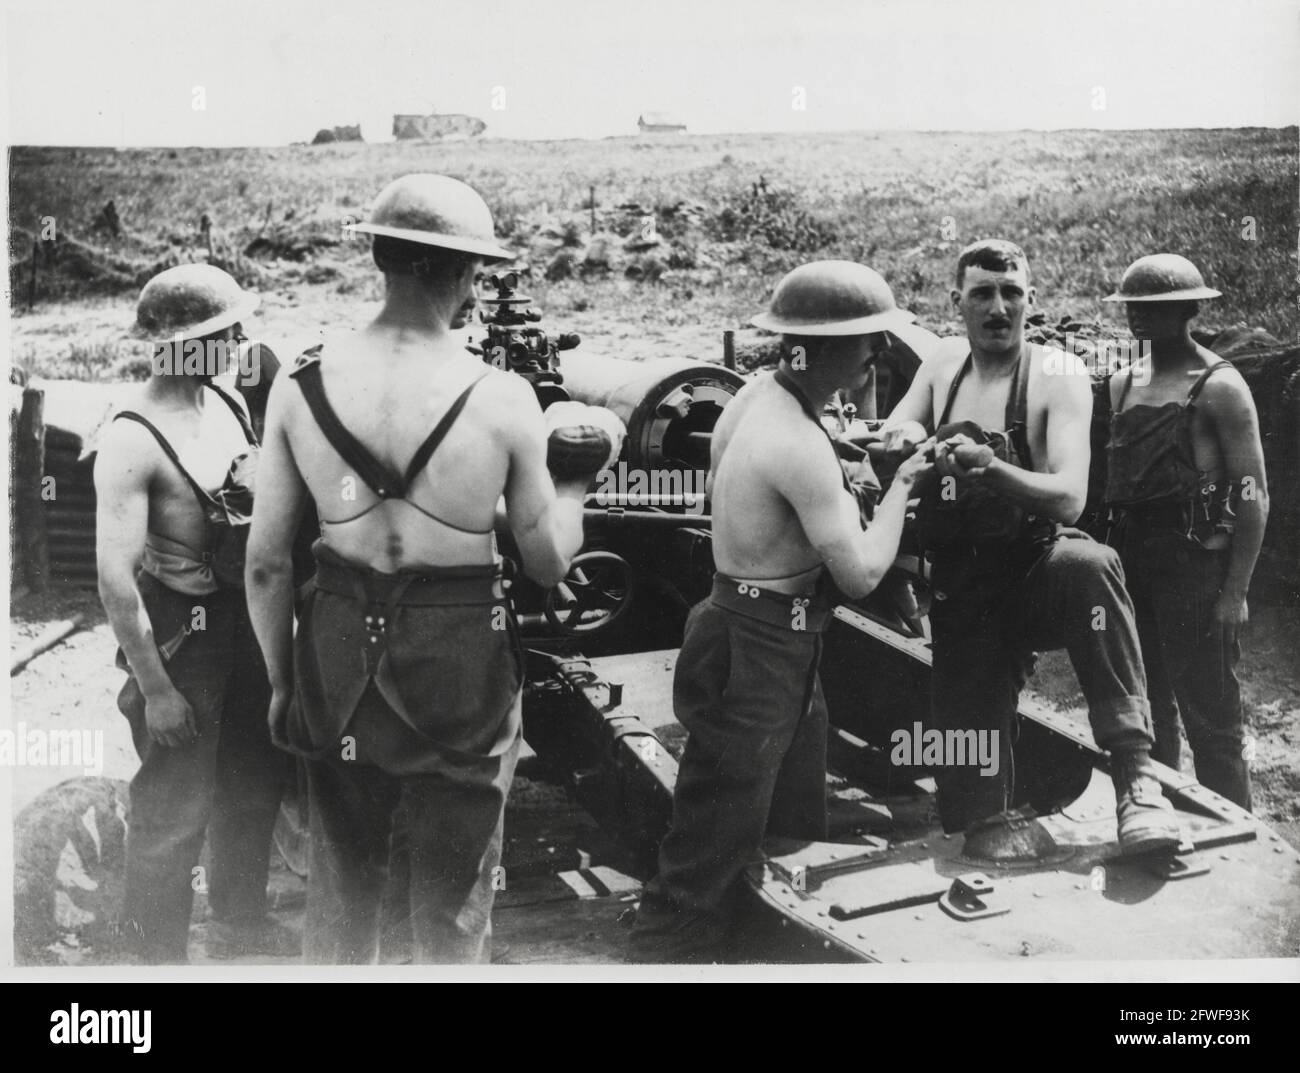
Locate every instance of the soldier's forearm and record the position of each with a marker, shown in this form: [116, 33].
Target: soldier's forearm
[1247, 538]
[134, 632]
[885, 531]
[269, 585]
[1052, 495]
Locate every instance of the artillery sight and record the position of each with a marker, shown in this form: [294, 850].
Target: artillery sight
[513, 344]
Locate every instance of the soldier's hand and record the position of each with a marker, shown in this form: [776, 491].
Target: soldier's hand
[904, 438]
[963, 458]
[918, 464]
[170, 719]
[1231, 612]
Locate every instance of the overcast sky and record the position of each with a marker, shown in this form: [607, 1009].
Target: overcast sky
[129, 72]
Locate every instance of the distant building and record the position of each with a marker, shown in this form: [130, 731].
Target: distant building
[337, 134]
[430, 128]
[659, 123]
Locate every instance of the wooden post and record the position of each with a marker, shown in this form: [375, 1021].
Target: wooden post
[31, 287]
[17, 578]
[29, 470]
[729, 348]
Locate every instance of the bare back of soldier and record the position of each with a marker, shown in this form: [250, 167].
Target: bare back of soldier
[389, 389]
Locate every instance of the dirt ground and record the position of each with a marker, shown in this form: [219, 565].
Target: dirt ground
[74, 687]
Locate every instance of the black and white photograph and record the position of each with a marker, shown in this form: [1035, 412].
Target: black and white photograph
[669, 492]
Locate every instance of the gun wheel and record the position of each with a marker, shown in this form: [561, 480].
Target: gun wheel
[595, 594]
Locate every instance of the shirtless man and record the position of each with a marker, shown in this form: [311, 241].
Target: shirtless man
[402, 684]
[197, 690]
[1010, 466]
[1189, 501]
[746, 684]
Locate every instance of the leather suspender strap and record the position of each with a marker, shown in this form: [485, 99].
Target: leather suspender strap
[378, 477]
[952, 390]
[1017, 416]
[1017, 399]
[1123, 393]
[201, 494]
[240, 416]
[425, 451]
[787, 382]
[1200, 381]
[1191, 394]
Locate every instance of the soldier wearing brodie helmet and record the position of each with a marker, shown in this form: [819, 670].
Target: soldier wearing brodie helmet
[402, 684]
[1009, 579]
[1189, 501]
[785, 524]
[173, 478]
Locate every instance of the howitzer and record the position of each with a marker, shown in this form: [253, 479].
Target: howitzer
[887, 884]
[646, 518]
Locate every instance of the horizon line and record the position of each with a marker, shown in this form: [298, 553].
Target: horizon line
[663, 137]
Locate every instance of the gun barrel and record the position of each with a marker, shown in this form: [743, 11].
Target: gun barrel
[669, 405]
[648, 518]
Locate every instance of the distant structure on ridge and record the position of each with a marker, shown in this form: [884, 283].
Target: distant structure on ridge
[432, 128]
[659, 123]
[327, 135]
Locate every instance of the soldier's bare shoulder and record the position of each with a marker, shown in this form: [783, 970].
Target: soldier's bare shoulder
[1226, 386]
[125, 450]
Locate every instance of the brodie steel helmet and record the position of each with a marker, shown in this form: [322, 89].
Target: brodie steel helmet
[435, 210]
[191, 301]
[1162, 277]
[832, 298]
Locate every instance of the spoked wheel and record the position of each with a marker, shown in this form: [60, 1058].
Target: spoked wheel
[595, 594]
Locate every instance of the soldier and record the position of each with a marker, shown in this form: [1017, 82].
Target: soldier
[402, 683]
[746, 685]
[1189, 501]
[1008, 580]
[174, 493]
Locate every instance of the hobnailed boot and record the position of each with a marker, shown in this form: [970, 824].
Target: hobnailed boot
[1147, 822]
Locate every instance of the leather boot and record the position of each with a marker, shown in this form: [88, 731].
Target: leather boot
[1147, 822]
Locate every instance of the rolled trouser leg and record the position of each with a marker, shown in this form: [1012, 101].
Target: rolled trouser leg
[1074, 597]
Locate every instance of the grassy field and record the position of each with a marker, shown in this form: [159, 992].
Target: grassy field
[1082, 203]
